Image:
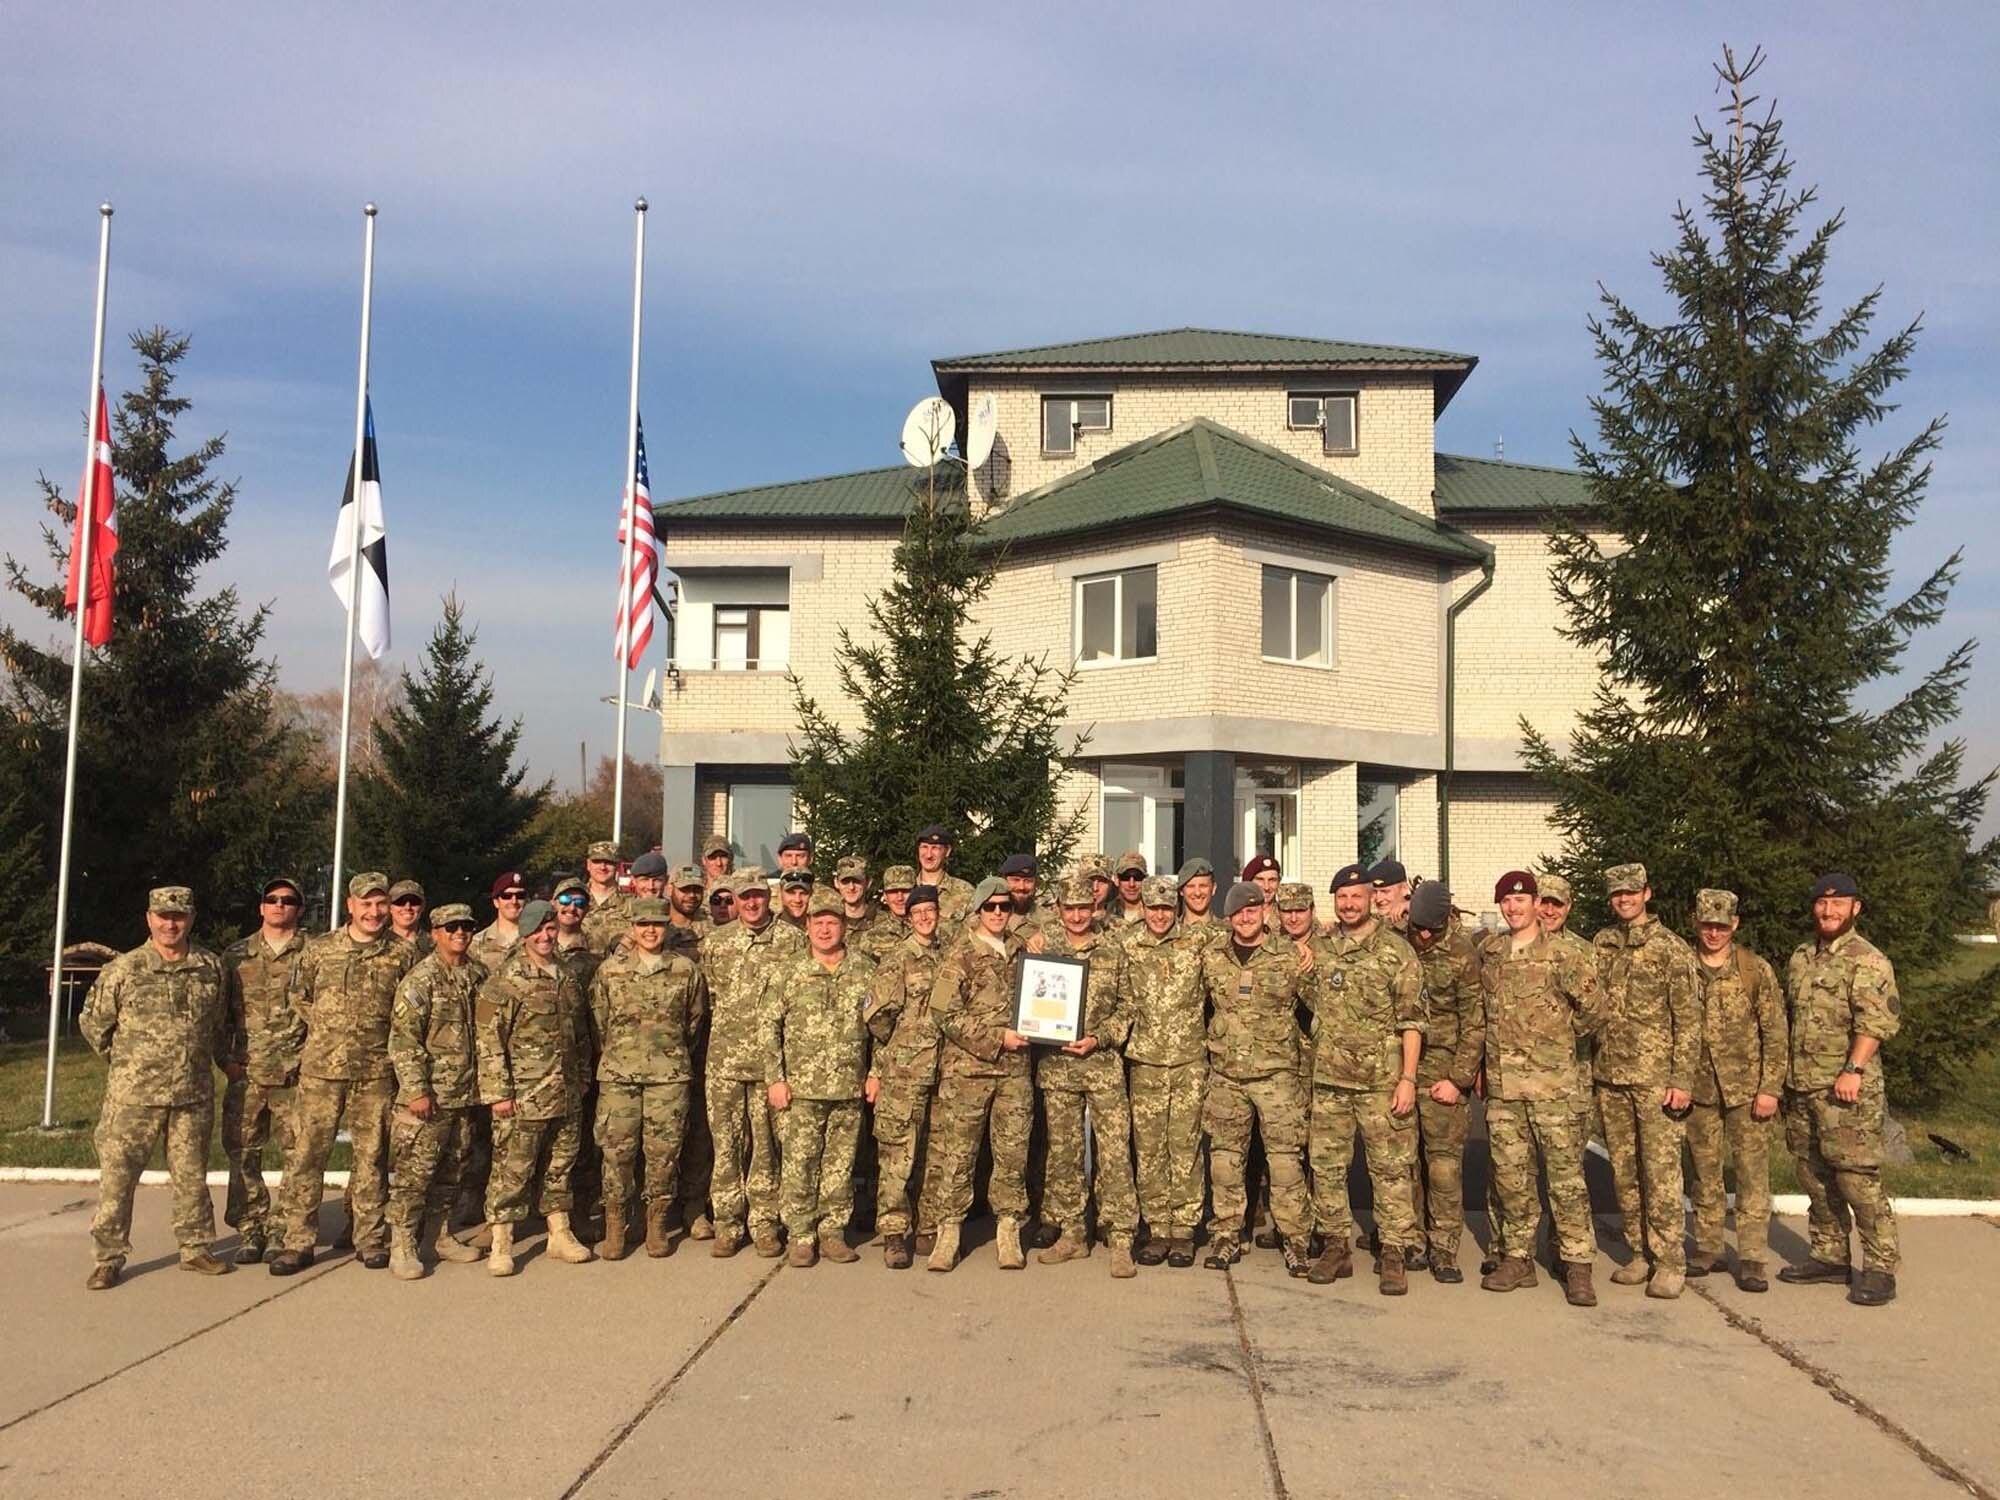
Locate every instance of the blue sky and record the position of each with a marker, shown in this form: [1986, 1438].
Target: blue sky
[837, 199]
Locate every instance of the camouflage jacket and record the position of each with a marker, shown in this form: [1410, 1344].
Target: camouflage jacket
[1845, 990]
[954, 899]
[735, 961]
[432, 1042]
[606, 921]
[1253, 1022]
[581, 960]
[972, 1001]
[490, 945]
[899, 1012]
[1163, 980]
[265, 1032]
[1586, 1045]
[1538, 1002]
[1652, 1007]
[647, 1015]
[1364, 993]
[162, 1023]
[419, 942]
[344, 990]
[814, 1037]
[1456, 1035]
[534, 1039]
[881, 937]
[1744, 1037]
[1106, 1014]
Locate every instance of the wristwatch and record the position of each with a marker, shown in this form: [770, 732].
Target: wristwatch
[1855, 1068]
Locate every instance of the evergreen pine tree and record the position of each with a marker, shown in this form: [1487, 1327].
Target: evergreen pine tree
[947, 730]
[1741, 604]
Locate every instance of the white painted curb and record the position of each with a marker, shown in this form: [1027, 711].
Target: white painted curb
[81, 1175]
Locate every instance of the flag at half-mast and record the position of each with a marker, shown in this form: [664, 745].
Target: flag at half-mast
[634, 627]
[371, 614]
[96, 505]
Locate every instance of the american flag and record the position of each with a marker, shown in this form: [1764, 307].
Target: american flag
[635, 606]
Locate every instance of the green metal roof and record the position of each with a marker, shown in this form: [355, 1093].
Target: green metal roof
[1199, 348]
[870, 495]
[1488, 484]
[1200, 464]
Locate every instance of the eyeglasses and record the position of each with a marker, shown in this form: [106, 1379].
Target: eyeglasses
[464, 927]
[408, 901]
[571, 900]
[282, 901]
[998, 906]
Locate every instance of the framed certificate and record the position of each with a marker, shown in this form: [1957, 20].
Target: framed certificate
[1048, 998]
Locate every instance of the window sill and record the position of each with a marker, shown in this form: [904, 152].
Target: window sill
[1116, 661]
[1287, 661]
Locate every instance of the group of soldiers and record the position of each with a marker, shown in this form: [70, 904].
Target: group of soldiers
[696, 1060]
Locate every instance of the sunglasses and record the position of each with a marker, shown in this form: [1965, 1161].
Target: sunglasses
[571, 900]
[282, 901]
[465, 927]
[998, 906]
[408, 901]
[722, 898]
[512, 896]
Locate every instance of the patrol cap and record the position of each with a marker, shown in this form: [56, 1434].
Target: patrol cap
[796, 840]
[652, 864]
[404, 888]
[989, 888]
[933, 833]
[1076, 891]
[1714, 906]
[850, 867]
[568, 884]
[1019, 864]
[170, 900]
[367, 883]
[1389, 872]
[794, 880]
[1515, 883]
[602, 849]
[1558, 887]
[1835, 883]
[1194, 867]
[1350, 875]
[826, 902]
[506, 880]
[1130, 862]
[535, 916]
[1625, 878]
[746, 877]
[1257, 864]
[1295, 895]
[688, 877]
[649, 909]
[1096, 866]
[902, 878]
[1159, 890]
[921, 895]
[451, 911]
[281, 882]
[1430, 906]
[1241, 894]
[715, 843]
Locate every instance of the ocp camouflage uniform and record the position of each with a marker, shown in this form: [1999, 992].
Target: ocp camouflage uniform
[1845, 990]
[954, 899]
[489, 945]
[1583, 1092]
[533, 1032]
[1364, 993]
[162, 1024]
[1744, 1054]
[581, 961]
[646, 1010]
[816, 1042]
[697, 1145]
[1453, 1043]
[880, 937]
[906, 1060]
[1069, 1082]
[985, 1092]
[344, 991]
[1650, 1042]
[265, 1037]
[739, 1120]
[1166, 1059]
[607, 921]
[1253, 1079]
[433, 1049]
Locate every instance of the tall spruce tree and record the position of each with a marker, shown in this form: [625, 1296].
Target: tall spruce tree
[186, 772]
[948, 730]
[1739, 595]
[450, 807]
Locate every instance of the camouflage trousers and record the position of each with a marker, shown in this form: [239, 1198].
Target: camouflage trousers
[253, 1117]
[1837, 1149]
[697, 1149]
[816, 1191]
[126, 1135]
[971, 1110]
[900, 1131]
[1644, 1143]
[1709, 1127]
[1437, 1186]
[1276, 1106]
[428, 1156]
[318, 1107]
[635, 1120]
[1166, 1138]
[1520, 1131]
[532, 1162]
[1066, 1191]
[1388, 1144]
[746, 1155]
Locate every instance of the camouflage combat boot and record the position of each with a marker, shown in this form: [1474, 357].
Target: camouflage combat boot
[1335, 1261]
[659, 1243]
[500, 1259]
[1007, 1244]
[1122, 1266]
[1395, 1280]
[944, 1253]
[448, 1247]
[613, 1245]
[1576, 1284]
[565, 1246]
[404, 1262]
[1068, 1246]
[1512, 1271]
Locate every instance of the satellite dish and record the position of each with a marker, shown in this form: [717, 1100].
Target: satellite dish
[927, 431]
[981, 427]
[648, 698]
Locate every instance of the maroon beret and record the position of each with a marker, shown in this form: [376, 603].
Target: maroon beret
[1515, 883]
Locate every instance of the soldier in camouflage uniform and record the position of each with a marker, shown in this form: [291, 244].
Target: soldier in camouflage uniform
[735, 961]
[610, 910]
[1366, 994]
[1196, 884]
[406, 917]
[510, 895]
[571, 899]
[795, 888]
[1737, 1088]
[687, 907]
[1454, 1040]
[647, 1007]
[1539, 996]
[850, 880]
[986, 1092]
[490, 945]
[158, 1015]
[903, 1070]
[432, 1047]
[934, 846]
[534, 1065]
[718, 859]
[1129, 870]
[816, 1064]
[1089, 1070]
[1844, 1005]
[1166, 1059]
[688, 926]
[265, 1039]
[1294, 903]
[1390, 884]
[1647, 1053]
[890, 924]
[344, 990]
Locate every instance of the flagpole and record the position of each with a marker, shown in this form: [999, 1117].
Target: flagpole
[625, 605]
[335, 915]
[87, 516]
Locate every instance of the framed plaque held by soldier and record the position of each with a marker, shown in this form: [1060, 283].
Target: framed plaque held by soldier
[1048, 998]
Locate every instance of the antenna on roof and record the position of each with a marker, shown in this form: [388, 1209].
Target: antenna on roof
[928, 431]
[1500, 447]
[981, 428]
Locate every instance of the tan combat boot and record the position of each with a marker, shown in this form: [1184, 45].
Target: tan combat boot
[614, 1246]
[1007, 1244]
[701, 1227]
[944, 1252]
[766, 1243]
[1395, 1280]
[896, 1251]
[659, 1242]
[404, 1262]
[1576, 1284]
[1665, 1283]
[104, 1275]
[500, 1259]
[1122, 1265]
[1512, 1271]
[1632, 1273]
[449, 1247]
[1071, 1245]
[205, 1264]
[804, 1254]
[833, 1246]
[563, 1245]
[728, 1240]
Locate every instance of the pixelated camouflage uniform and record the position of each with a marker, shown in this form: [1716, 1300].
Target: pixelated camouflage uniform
[1166, 1059]
[745, 1179]
[1069, 1082]
[1453, 1043]
[1836, 993]
[816, 1042]
[162, 1024]
[646, 1011]
[533, 1029]
[265, 1037]
[881, 936]
[433, 1049]
[1253, 1079]
[984, 1091]
[1744, 1053]
[905, 1059]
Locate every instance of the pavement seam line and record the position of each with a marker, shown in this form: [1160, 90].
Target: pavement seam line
[666, 1387]
[1254, 1373]
[187, 1338]
[54, 1213]
[1827, 1381]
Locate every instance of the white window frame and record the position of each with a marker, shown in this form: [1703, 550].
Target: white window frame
[1318, 424]
[1249, 794]
[1151, 786]
[1117, 577]
[1076, 424]
[752, 626]
[1293, 574]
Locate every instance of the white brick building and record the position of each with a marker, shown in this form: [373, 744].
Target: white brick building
[1298, 627]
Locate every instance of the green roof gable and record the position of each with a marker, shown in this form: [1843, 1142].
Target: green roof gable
[1488, 484]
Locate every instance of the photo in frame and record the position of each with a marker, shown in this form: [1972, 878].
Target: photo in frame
[1048, 998]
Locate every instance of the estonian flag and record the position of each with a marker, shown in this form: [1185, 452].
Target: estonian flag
[372, 614]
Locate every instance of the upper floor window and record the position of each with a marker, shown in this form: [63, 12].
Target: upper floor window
[751, 638]
[1118, 616]
[1298, 617]
[1063, 417]
[733, 620]
[1331, 413]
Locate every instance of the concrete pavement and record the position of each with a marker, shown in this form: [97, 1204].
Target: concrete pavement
[693, 1375]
